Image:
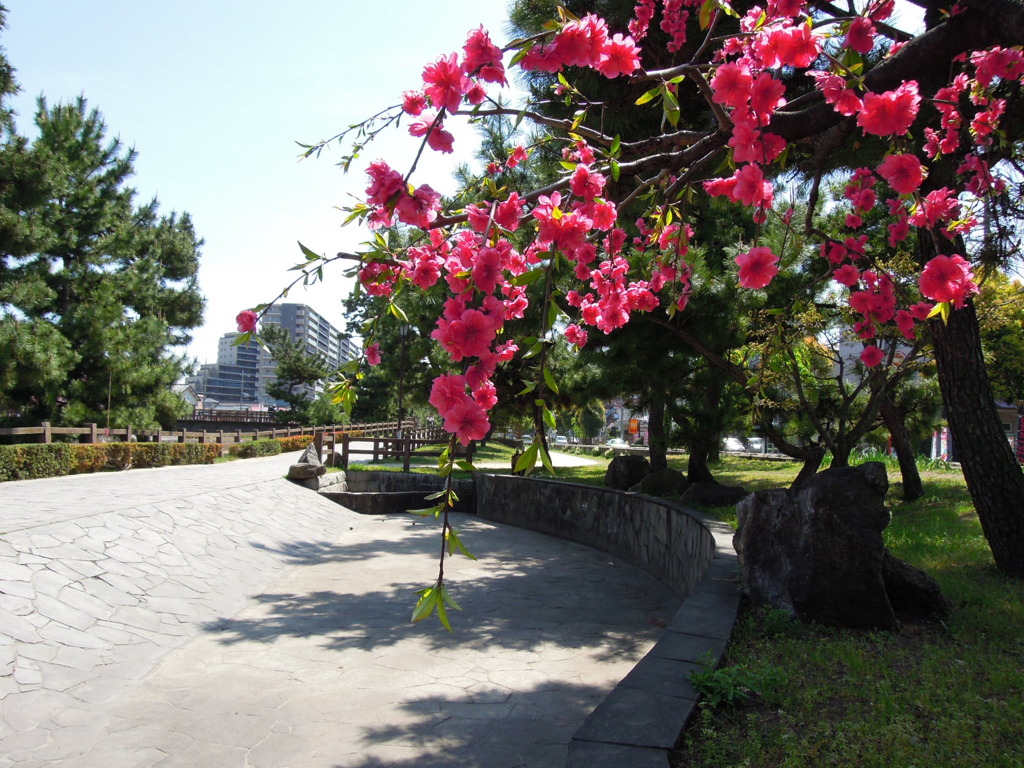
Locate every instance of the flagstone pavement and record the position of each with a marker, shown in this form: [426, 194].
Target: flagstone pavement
[223, 616]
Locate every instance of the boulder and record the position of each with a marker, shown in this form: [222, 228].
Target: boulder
[305, 471]
[818, 552]
[626, 471]
[308, 466]
[311, 455]
[664, 483]
[713, 495]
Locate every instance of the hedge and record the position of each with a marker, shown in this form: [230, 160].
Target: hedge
[27, 462]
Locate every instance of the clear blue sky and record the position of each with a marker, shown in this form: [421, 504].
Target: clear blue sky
[213, 96]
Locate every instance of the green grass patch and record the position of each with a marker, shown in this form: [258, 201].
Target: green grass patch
[933, 694]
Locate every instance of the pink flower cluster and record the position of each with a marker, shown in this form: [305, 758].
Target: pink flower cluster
[585, 42]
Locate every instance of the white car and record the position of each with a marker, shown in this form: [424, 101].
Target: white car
[755, 444]
[561, 440]
[617, 442]
[732, 444]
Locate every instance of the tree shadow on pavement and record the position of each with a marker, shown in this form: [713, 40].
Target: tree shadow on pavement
[486, 728]
[525, 591]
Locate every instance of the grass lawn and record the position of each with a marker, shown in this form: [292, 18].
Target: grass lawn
[944, 694]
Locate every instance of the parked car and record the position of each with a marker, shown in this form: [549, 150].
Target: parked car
[732, 444]
[617, 442]
[561, 440]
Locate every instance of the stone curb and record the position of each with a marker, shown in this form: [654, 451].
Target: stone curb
[638, 723]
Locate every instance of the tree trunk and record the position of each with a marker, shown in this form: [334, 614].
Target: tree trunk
[912, 488]
[812, 461]
[657, 440]
[697, 469]
[994, 478]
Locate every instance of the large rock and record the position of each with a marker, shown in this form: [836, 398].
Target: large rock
[713, 495]
[626, 471]
[818, 553]
[308, 466]
[667, 482]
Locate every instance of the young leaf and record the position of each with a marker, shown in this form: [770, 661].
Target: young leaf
[529, 459]
[550, 380]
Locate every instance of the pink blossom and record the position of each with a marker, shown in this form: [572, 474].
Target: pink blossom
[485, 394]
[445, 82]
[731, 84]
[413, 102]
[871, 356]
[581, 43]
[420, 208]
[948, 278]
[469, 336]
[890, 113]
[468, 421]
[861, 35]
[619, 56]
[576, 336]
[847, 274]
[373, 354]
[902, 172]
[509, 212]
[585, 183]
[483, 57]
[517, 156]
[905, 322]
[246, 321]
[447, 391]
[757, 267]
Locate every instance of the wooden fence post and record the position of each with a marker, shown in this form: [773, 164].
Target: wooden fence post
[406, 454]
[344, 451]
[318, 443]
[46, 432]
[92, 432]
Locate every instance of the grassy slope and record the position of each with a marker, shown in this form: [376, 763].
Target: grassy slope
[945, 694]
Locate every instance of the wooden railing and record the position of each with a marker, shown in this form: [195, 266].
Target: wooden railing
[92, 433]
[382, 448]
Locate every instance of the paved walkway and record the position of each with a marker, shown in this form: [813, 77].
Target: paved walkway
[222, 616]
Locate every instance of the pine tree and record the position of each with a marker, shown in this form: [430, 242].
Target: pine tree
[96, 291]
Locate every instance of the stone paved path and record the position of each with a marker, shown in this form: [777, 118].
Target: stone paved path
[222, 616]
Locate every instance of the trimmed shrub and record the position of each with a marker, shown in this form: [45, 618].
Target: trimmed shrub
[296, 443]
[26, 462]
[194, 453]
[251, 450]
[90, 457]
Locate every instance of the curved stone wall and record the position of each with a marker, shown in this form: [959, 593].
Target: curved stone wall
[638, 723]
[658, 536]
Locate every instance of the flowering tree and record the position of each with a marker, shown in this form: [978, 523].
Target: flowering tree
[744, 93]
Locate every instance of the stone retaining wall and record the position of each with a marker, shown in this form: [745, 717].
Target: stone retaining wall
[667, 541]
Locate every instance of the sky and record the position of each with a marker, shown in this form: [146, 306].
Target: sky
[213, 96]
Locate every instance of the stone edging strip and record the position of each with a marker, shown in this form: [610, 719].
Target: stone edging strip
[638, 723]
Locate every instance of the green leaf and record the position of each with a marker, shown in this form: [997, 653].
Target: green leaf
[528, 460]
[309, 254]
[615, 170]
[528, 278]
[706, 12]
[550, 380]
[426, 512]
[530, 386]
[616, 147]
[426, 605]
[549, 418]
[398, 312]
[534, 350]
[567, 165]
[465, 466]
[545, 458]
[455, 545]
[651, 95]
[942, 310]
